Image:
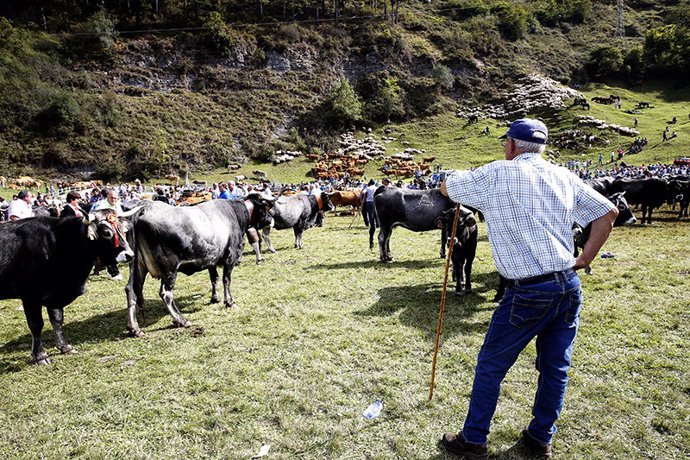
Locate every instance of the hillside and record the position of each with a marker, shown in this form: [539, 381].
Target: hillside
[122, 94]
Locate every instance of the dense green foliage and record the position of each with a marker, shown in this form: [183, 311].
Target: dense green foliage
[202, 83]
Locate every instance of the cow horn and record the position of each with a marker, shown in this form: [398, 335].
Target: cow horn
[131, 212]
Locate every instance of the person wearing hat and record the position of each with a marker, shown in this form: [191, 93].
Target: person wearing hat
[21, 207]
[530, 206]
[368, 206]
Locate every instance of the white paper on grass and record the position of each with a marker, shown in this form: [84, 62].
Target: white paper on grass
[263, 451]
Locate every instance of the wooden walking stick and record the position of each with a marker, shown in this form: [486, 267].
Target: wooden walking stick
[443, 301]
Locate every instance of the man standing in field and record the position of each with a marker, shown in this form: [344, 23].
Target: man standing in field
[529, 205]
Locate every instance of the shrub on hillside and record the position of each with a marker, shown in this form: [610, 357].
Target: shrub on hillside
[554, 12]
[667, 49]
[383, 97]
[60, 117]
[94, 38]
[513, 20]
[219, 35]
[605, 61]
[443, 76]
[343, 107]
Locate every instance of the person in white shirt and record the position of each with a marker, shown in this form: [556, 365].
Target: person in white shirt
[530, 206]
[111, 201]
[21, 207]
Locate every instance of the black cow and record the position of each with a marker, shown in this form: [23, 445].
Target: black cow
[683, 199]
[650, 193]
[464, 247]
[601, 184]
[415, 210]
[46, 261]
[298, 212]
[188, 239]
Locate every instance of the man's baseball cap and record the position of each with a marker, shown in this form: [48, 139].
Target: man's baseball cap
[529, 130]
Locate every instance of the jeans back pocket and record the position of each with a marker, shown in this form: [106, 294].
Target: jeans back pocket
[528, 309]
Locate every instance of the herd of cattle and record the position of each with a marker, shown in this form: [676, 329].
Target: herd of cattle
[162, 240]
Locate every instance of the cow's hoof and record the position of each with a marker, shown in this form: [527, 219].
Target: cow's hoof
[458, 293]
[215, 300]
[41, 360]
[271, 250]
[135, 333]
[443, 256]
[260, 262]
[68, 350]
[183, 323]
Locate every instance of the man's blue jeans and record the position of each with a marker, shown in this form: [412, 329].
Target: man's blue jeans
[548, 310]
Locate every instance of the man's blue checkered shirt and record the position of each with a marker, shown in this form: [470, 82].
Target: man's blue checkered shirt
[530, 206]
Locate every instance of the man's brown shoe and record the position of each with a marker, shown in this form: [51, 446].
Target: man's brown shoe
[456, 444]
[536, 448]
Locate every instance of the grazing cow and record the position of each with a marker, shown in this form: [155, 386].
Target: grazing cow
[46, 261]
[463, 248]
[650, 193]
[189, 239]
[298, 212]
[474, 118]
[415, 210]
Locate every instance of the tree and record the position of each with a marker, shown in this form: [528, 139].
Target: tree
[343, 105]
[604, 61]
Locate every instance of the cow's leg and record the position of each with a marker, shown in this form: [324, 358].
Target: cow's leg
[468, 274]
[56, 316]
[167, 293]
[372, 230]
[135, 296]
[389, 256]
[298, 236]
[267, 237]
[255, 241]
[644, 214]
[444, 240]
[34, 318]
[215, 280]
[227, 278]
[382, 243]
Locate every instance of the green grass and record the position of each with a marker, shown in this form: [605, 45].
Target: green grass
[321, 333]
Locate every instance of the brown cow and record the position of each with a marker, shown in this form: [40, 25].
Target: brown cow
[346, 198]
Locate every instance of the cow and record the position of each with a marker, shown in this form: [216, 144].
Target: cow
[346, 198]
[601, 184]
[415, 210]
[3, 182]
[298, 212]
[463, 248]
[189, 239]
[45, 261]
[683, 198]
[625, 217]
[650, 193]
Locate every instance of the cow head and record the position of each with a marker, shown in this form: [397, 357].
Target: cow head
[259, 208]
[326, 203]
[466, 220]
[107, 234]
[625, 214]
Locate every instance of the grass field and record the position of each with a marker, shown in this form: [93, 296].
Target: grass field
[321, 333]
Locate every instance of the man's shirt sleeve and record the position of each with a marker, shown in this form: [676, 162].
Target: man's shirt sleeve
[470, 187]
[589, 204]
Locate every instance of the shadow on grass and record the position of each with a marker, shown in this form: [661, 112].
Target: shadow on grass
[515, 452]
[110, 326]
[419, 305]
[412, 264]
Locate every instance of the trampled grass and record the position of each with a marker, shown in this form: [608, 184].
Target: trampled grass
[322, 332]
